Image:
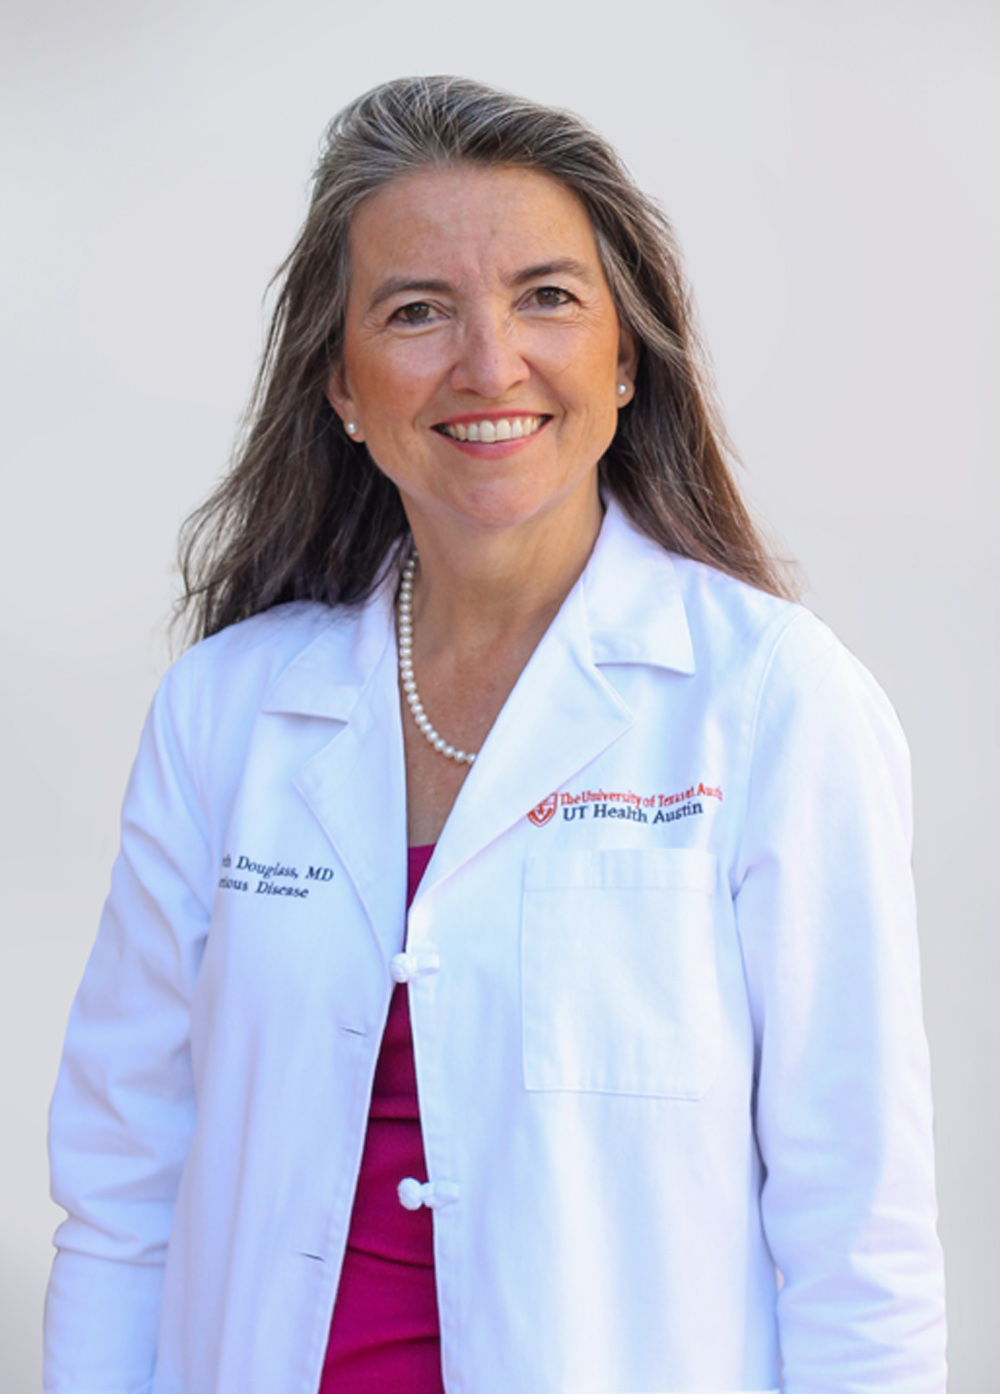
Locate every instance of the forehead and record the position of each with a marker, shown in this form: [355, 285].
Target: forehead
[468, 219]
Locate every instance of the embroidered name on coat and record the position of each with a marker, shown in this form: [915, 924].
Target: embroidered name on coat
[270, 878]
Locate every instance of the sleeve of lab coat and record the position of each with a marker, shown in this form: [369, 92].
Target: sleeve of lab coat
[825, 908]
[123, 1110]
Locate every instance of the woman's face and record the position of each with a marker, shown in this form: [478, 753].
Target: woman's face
[482, 350]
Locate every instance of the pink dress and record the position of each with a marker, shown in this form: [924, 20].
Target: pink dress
[384, 1335]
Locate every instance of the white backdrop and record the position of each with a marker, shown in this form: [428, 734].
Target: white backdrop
[831, 168]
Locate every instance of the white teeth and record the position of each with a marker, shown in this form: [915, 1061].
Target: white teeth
[507, 428]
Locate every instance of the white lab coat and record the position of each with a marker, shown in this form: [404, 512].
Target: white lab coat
[666, 1023]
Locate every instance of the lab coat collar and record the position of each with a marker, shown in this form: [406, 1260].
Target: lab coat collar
[327, 677]
[634, 606]
[633, 613]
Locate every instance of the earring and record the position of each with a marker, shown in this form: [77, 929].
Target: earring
[351, 427]
[622, 389]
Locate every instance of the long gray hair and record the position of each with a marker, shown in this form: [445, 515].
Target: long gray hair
[304, 513]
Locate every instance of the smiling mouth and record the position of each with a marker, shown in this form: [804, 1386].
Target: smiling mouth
[488, 431]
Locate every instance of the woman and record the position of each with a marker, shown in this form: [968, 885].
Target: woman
[647, 1107]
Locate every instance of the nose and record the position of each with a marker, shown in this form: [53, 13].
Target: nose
[490, 359]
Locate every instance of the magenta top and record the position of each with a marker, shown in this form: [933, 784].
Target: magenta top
[384, 1333]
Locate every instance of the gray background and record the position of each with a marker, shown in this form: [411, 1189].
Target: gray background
[831, 169]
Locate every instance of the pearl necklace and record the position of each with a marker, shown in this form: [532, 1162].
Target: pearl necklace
[408, 681]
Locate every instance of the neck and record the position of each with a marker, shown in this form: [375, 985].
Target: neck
[477, 588]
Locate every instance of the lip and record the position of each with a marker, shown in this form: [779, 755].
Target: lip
[493, 449]
[509, 414]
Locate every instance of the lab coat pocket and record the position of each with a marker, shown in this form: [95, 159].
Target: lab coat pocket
[618, 980]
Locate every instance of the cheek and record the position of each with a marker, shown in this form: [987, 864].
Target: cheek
[375, 391]
[593, 394]
[410, 371]
[385, 382]
[591, 374]
[595, 397]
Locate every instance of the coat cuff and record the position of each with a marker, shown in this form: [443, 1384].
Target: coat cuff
[86, 1352]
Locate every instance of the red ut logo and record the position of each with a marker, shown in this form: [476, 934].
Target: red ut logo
[541, 814]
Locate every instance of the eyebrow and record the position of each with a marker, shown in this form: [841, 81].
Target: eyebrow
[400, 285]
[563, 266]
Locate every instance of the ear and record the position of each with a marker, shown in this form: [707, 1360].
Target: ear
[628, 363]
[338, 394]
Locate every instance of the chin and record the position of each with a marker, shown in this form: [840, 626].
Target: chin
[496, 512]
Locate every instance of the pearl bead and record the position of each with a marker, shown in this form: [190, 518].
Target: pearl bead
[404, 640]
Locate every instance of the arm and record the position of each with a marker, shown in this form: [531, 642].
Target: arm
[124, 1107]
[825, 910]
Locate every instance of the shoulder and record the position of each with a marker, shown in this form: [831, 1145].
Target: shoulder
[211, 702]
[746, 635]
[740, 645]
[784, 636]
[820, 743]
[722, 610]
[221, 684]
[262, 645]
[788, 664]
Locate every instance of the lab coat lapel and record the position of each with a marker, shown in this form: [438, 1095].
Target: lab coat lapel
[561, 714]
[355, 785]
[626, 608]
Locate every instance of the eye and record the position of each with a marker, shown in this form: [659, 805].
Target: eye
[418, 312]
[552, 297]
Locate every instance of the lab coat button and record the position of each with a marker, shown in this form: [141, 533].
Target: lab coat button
[413, 1193]
[405, 967]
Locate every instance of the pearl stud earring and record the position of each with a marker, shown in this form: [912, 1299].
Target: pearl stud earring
[622, 389]
[351, 427]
